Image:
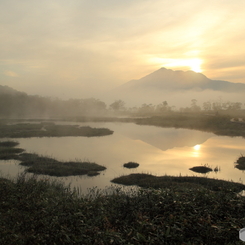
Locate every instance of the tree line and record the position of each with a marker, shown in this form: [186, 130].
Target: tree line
[21, 105]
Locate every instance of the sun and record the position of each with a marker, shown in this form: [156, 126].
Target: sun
[197, 147]
[195, 64]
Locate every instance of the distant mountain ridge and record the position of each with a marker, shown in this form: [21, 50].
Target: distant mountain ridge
[167, 79]
[178, 88]
[7, 90]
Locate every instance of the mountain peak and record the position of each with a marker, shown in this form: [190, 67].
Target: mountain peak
[164, 78]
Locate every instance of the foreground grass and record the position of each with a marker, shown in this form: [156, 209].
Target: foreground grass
[43, 212]
[25, 130]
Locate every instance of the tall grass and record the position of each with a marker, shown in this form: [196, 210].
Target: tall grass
[47, 212]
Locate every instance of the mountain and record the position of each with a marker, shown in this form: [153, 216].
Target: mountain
[8, 90]
[166, 79]
[177, 87]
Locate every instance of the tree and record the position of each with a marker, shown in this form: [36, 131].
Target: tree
[147, 108]
[194, 106]
[163, 107]
[207, 106]
[118, 105]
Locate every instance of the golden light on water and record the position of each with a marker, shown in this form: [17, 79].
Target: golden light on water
[196, 152]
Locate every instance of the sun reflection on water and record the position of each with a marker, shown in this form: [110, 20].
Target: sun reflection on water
[196, 152]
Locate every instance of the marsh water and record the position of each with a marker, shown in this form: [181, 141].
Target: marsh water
[159, 151]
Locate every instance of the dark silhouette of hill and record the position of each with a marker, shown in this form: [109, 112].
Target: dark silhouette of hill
[7, 90]
[15, 104]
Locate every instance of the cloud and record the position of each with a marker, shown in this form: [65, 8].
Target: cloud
[95, 44]
[10, 74]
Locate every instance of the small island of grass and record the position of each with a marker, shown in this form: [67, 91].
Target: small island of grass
[8, 150]
[131, 165]
[25, 130]
[240, 163]
[178, 182]
[45, 165]
[201, 169]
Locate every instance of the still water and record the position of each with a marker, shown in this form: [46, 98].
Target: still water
[159, 151]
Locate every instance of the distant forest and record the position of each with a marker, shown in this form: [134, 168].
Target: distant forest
[26, 106]
[14, 104]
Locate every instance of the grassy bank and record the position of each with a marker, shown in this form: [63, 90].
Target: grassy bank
[178, 182]
[217, 124]
[240, 163]
[25, 130]
[45, 165]
[220, 125]
[43, 212]
[8, 150]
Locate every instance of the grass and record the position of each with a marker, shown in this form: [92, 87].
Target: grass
[46, 165]
[201, 169]
[25, 130]
[8, 150]
[175, 182]
[44, 212]
[219, 125]
[240, 163]
[8, 143]
[131, 165]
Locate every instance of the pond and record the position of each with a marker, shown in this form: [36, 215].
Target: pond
[159, 151]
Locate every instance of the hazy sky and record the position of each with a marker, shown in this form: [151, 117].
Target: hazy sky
[78, 48]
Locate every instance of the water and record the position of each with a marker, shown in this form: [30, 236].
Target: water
[159, 151]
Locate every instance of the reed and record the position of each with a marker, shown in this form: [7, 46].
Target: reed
[47, 212]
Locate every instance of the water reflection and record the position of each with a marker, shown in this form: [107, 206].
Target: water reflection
[158, 150]
[196, 152]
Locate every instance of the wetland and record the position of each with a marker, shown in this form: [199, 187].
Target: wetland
[172, 205]
[114, 149]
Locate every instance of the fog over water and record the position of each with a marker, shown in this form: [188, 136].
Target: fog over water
[159, 151]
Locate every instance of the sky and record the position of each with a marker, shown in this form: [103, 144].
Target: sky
[80, 48]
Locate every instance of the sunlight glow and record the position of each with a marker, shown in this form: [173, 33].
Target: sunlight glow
[192, 64]
[196, 152]
[195, 65]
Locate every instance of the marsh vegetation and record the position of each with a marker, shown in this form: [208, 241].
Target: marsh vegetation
[219, 124]
[8, 150]
[166, 210]
[47, 212]
[49, 166]
[131, 165]
[240, 163]
[25, 130]
[45, 165]
[178, 182]
[201, 169]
